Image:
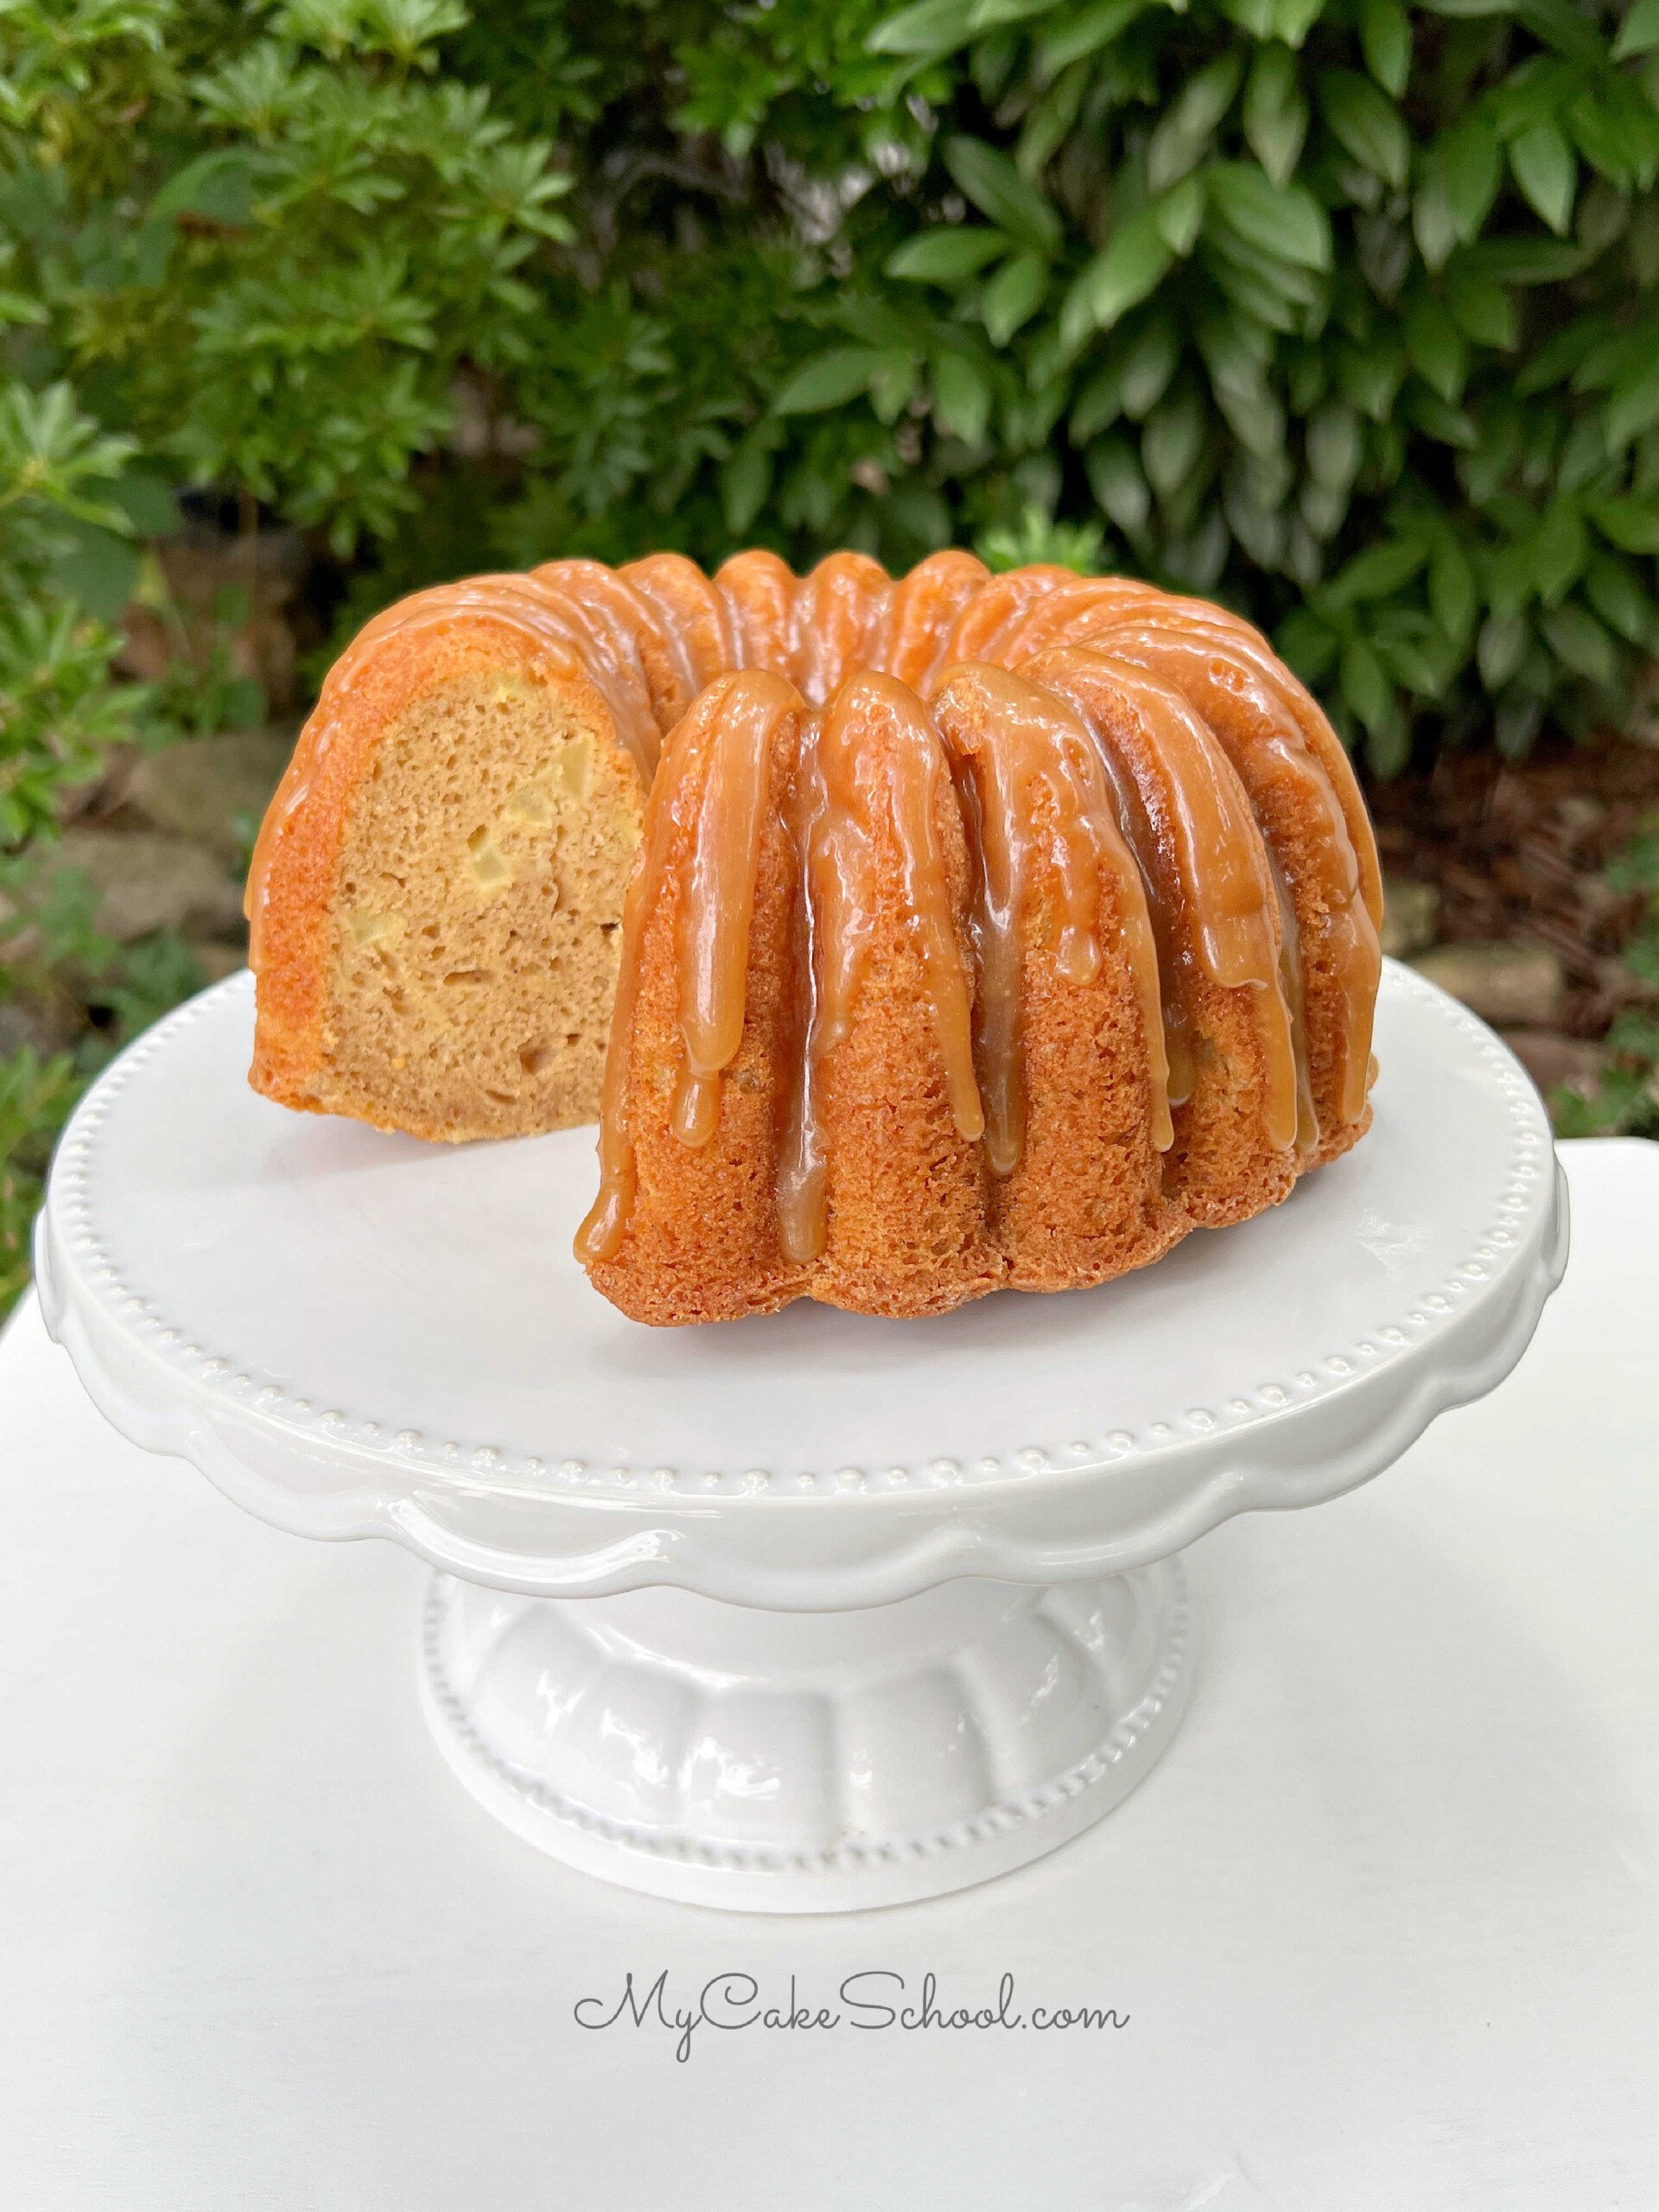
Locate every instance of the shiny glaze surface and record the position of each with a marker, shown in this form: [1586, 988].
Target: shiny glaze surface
[1040, 802]
[1206, 871]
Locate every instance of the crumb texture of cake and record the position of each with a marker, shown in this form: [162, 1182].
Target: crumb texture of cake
[437, 897]
[908, 939]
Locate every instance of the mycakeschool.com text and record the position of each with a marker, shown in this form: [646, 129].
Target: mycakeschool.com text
[875, 1999]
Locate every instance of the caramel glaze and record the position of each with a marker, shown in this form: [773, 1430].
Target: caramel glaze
[635, 630]
[1209, 884]
[758, 591]
[1334, 942]
[1075, 609]
[1086, 778]
[840, 611]
[709, 799]
[998, 607]
[873, 772]
[693, 614]
[1037, 795]
[921, 613]
[815, 630]
[565, 646]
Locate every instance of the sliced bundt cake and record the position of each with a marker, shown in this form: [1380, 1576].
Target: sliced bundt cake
[984, 929]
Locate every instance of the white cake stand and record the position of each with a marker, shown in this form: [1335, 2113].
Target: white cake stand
[797, 1614]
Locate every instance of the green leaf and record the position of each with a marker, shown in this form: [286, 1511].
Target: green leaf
[1613, 590]
[1435, 345]
[1255, 16]
[1171, 441]
[1120, 488]
[997, 189]
[1483, 310]
[149, 503]
[829, 381]
[1470, 158]
[1453, 595]
[1574, 636]
[1097, 406]
[1628, 522]
[1528, 260]
[991, 14]
[962, 398]
[1633, 404]
[1189, 122]
[932, 27]
[1431, 221]
[1088, 30]
[1365, 685]
[218, 187]
[1148, 363]
[1385, 41]
[1501, 648]
[744, 483]
[1558, 550]
[1365, 122]
[1372, 378]
[1128, 267]
[1376, 574]
[1283, 221]
[1438, 419]
[96, 570]
[1547, 170]
[946, 255]
[1276, 114]
[1617, 133]
[1307, 645]
[1639, 32]
[893, 384]
[1179, 216]
[1334, 445]
[1293, 19]
[1013, 295]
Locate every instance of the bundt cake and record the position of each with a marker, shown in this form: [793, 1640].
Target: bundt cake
[970, 932]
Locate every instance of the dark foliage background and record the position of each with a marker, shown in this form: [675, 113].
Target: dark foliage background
[1342, 310]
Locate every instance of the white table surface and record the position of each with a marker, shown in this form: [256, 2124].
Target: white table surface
[1384, 1923]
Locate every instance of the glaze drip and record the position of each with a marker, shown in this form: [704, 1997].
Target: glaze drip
[708, 800]
[1079, 608]
[1040, 804]
[873, 777]
[714, 920]
[1208, 880]
[758, 591]
[921, 614]
[1252, 717]
[692, 611]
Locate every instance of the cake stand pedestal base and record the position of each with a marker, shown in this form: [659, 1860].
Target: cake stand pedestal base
[806, 1762]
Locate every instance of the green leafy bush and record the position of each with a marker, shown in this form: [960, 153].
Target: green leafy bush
[1343, 312]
